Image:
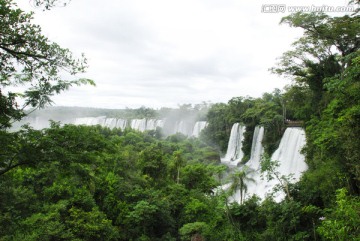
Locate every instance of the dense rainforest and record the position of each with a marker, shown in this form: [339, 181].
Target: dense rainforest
[69, 182]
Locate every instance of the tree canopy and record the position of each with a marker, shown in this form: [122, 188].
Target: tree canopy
[30, 60]
[71, 182]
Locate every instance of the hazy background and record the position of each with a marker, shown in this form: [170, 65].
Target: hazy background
[167, 52]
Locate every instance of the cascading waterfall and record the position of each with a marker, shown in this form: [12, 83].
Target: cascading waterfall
[110, 123]
[257, 149]
[101, 120]
[146, 124]
[289, 153]
[199, 126]
[121, 123]
[183, 127]
[81, 121]
[234, 154]
[152, 124]
[290, 159]
[37, 123]
[90, 121]
[186, 127]
[138, 124]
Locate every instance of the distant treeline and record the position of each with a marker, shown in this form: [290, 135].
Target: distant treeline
[93, 183]
[197, 111]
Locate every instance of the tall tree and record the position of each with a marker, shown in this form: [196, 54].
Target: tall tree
[320, 53]
[324, 67]
[269, 169]
[30, 60]
[240, 180]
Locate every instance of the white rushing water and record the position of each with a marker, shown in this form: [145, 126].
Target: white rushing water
[289, 153]
[183, 127]
[110, 123]
[257, 149]
[146, 124]
[138, 124]
[234, 154]
[121, 123]
[100, 120]
[199, 126]
[291, 161]
[186, 127]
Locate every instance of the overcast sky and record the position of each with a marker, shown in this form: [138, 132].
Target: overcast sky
[158, 53]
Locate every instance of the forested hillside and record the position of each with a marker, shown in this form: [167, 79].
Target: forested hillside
[71, 182]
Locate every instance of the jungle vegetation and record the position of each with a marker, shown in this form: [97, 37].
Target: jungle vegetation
[72, 182]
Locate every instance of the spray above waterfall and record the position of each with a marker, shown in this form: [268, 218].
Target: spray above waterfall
[187, 119]
[185, 127]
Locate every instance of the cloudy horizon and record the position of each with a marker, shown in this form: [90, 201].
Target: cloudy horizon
[164, 53]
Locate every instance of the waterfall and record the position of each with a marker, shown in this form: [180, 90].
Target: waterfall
[90, 121]
[80, 121]
[110, 123]
[152, 124]
[121, 123]
[234, 154]
[35, 122]
[186, 127]
[160, 123]
[288, 153]
[138, 124]
[100, 121]
[291, 161]
[146, 124]
[257, 148]
[199, 126]
[183, 127]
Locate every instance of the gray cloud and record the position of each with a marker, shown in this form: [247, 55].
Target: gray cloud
[162, 53]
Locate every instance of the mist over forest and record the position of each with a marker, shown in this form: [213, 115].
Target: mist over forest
[283, 165]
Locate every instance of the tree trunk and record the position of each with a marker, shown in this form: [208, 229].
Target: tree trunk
[197, 237]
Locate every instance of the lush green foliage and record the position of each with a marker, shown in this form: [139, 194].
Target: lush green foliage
[327, 77]
[93, 183]
[28, 57]
[342, 221]
[325, 69]
[239, 180]
[266, 111]
[88, 183]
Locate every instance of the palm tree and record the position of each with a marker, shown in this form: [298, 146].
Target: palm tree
[239, 180]
[179, 162]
